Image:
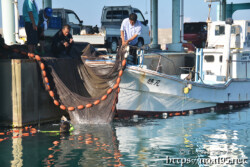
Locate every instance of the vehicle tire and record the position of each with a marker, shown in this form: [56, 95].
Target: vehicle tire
[140, 42]
[113, 46]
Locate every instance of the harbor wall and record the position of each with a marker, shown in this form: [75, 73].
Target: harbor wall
[23, 99]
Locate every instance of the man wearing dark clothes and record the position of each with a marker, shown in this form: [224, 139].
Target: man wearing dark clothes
[62, 41]
[44, 16]
[30, 14]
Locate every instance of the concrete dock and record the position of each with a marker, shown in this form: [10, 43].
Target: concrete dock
[23, 99]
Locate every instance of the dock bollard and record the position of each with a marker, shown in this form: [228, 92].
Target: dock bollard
[135, 118]
[165, 115]
[212, 109]
[231, 107]
[191, 112]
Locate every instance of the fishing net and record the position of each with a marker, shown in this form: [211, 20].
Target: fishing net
[87, 81]
[86, 84]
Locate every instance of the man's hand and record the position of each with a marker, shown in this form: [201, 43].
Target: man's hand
[71, 40]
[66, 44]
[34, 27]
[125, 43]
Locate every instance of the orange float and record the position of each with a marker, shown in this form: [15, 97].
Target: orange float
[184, 113]
[2, 134]
[88, 141]
[109, 90]
[51, 93]
[38, 58]
[123, 62]
[44, 73]
[50, 156]
[42, 66]
[96, 102]
[50, 148]
[48, 87]
[177, 114]
[120, 73]
[170, 114]
[118, 80]
[104, 97]
[1, 140]
[80, 107]
[71, 108]
[46, 80]
[25, 134]
[89, 105]
[56, 102]
[62, 107]
[56, 142]
[116, 86]
[16, 130]
[31, 55]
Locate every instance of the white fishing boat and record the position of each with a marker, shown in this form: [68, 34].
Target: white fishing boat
[222, 77]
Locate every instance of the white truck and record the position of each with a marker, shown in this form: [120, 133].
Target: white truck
[108, 35]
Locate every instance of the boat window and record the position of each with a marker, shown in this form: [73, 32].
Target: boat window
[221, 58]
[236, 29]
[117, 14]
[219, 30]
[209, 58]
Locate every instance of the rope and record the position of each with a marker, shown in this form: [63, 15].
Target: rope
[37, 58]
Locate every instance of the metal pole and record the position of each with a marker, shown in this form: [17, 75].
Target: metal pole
[223, 10]
[47, 3]
[155, 24]
[18, 40]
[176, 21]
[182, 21]
[8, 21]
[151, 24]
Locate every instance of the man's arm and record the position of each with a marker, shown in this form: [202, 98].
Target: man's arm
[122, 37]
[132, 38]
[32, 21]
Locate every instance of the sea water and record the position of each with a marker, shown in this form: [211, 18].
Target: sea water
[210, 139]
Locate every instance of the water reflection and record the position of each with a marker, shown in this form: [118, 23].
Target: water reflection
[135, 142]
[95, 145]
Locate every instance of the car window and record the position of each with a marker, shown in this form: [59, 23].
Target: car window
[72, 18]
[139, 16]
[56, 14]
[117, 14]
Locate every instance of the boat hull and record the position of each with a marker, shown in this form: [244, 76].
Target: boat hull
[145, 91]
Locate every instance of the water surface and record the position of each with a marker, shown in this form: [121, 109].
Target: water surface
[196, 140]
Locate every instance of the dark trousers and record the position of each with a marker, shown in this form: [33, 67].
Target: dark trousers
[132, 58]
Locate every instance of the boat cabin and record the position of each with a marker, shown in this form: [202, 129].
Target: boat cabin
[218, 62]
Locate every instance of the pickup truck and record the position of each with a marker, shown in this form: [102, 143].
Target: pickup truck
[107, 35]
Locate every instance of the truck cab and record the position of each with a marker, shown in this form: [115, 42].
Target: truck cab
[111, 20]
[69, 17]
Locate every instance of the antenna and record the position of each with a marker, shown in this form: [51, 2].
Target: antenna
[146, 7]
[210, 6]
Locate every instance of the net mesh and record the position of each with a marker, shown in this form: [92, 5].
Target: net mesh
[83, 80]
